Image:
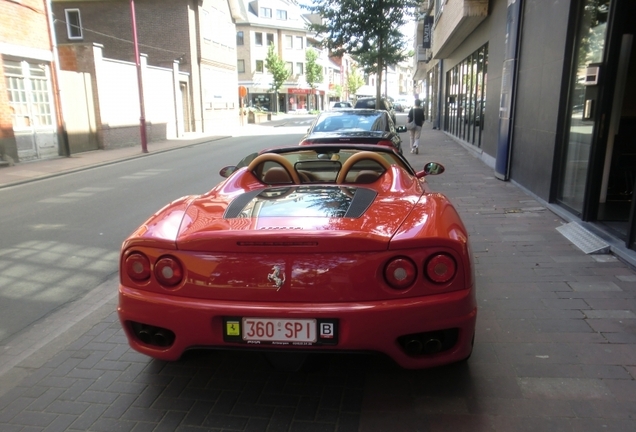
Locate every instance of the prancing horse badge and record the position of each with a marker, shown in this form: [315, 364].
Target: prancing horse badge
[275, 276]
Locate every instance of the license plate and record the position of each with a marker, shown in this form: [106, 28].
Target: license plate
[279, 330]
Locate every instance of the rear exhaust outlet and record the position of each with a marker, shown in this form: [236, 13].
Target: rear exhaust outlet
[428, 343]
[432, 346]
[152, 335]
[160, 339]
[413, 346]
[144, 336]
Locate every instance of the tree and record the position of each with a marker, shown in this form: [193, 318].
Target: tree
[366, 29]
[354, 81]
[313, 71]
[277, 68]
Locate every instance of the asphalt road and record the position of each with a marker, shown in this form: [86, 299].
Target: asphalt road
[60, 237]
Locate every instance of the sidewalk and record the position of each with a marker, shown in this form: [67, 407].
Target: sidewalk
[555, 348]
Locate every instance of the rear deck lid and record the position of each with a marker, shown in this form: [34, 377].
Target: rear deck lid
[322, 218]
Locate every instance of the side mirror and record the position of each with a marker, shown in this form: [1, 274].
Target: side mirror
[431, 168]
[225, 172]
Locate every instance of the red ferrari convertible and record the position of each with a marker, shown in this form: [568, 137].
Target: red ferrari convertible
[305, 249]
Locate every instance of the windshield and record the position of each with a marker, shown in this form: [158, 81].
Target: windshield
[370, 122]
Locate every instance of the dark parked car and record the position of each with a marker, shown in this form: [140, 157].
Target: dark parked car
[369, 103]
[342, 104]
[355, 126]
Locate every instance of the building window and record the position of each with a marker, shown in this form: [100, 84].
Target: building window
[466, 97]
[240, 39]
[289, 44]
[265, 12]
[281, 14]
[73, 24]
[259, 66]
[30, 98]
[290, 67]
[270, 39]
[258, 39]
[300, 68]
[240, 66]
[299, 42]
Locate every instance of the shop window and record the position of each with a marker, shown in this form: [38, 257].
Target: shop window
[466, 97]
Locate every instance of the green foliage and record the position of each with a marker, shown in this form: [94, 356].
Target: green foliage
[313, 71]
[366, 29]
[354, 81]
[338, 90]
[277, 68]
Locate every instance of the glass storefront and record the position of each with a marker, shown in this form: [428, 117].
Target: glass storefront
[590, 42]
[466, 97]
[261, 100]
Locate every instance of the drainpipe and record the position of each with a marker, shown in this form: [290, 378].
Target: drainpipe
[142, 118]
[440, 76]
[61, 124]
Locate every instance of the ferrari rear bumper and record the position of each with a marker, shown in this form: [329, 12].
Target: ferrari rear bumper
[393, 327]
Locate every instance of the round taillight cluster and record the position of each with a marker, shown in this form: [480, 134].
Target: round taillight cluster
[400, 273]
[168, 271]
[137, 267]
[386, 143]
[441, 268]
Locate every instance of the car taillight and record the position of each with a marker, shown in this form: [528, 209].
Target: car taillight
[168, 271]
[441, 268]
[137, 267]
[400, 273]
[386, 143]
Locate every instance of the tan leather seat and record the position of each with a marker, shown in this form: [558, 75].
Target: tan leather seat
[277, 175]
[366, 176]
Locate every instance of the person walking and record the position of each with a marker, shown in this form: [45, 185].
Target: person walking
[416, 115]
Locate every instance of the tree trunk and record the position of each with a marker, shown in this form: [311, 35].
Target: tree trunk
[378, 86]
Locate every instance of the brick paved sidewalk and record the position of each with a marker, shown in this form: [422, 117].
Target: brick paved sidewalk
[555, 348]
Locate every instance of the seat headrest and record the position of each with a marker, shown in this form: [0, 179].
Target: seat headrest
[366, 176]
[276, 175]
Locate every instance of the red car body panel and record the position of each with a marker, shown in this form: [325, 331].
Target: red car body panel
[331, 268]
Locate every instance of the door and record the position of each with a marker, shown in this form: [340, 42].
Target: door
[32, 109]
[185, 107]
[617, 187]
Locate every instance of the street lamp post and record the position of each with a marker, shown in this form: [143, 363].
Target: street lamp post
[142, 118]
